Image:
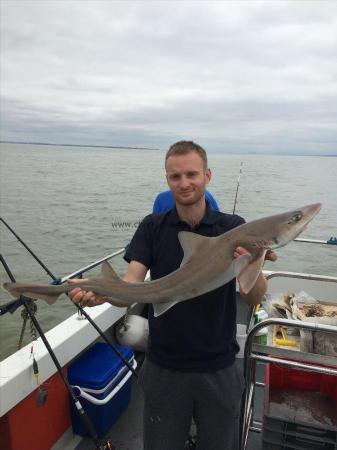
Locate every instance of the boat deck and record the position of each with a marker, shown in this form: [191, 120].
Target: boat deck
[126, 433]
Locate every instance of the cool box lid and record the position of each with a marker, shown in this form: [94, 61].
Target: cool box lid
[96, 367]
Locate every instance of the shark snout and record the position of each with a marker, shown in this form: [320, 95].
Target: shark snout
[310, 211]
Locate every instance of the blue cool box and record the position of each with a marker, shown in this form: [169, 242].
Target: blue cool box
[98, 372]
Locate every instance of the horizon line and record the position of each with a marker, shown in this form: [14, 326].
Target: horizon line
[156, 149]
[76, 145]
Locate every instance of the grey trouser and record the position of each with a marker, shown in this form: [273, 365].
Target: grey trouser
[172, 398]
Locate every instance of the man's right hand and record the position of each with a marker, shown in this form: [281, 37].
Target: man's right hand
[86, 298]
[135, 273]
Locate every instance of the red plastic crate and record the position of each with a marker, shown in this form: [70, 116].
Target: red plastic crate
[300, 409]
[285, 377]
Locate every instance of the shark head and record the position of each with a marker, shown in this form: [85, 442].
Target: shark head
[289, 225]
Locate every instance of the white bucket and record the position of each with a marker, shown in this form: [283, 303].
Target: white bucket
[241, 336]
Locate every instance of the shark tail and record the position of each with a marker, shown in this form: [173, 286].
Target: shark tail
[16, 290]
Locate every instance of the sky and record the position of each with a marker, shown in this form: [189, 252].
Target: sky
[234, 76]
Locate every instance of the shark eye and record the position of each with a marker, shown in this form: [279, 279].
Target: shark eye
[296, 217]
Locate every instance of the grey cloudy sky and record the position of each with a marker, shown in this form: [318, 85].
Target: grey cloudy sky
[235, 76]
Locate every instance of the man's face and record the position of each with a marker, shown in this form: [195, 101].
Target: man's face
[187, 177]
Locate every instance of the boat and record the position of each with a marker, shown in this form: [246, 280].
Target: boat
[35, 412]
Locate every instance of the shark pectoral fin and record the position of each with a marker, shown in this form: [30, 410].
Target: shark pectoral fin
[190, 243]
[241, 263]
[107, 271]
[250, 271]
[161, 308]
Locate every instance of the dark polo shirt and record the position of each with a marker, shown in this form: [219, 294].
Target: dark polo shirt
[198, 334]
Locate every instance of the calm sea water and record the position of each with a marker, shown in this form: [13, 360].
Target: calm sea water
[73, 205]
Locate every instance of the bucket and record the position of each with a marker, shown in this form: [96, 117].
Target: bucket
[241, 336]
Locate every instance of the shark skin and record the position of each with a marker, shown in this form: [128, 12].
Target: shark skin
[208, 263]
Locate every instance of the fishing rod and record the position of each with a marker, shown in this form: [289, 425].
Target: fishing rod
[27, 248]
[237, 187]
[99, 445]
[72, 275]
[12, 305]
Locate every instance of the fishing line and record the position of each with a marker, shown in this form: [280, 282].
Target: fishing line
[99, 445]
[14, 304]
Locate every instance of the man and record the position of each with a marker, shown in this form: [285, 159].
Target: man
[189, 371]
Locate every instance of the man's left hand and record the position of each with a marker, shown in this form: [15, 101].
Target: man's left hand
[270, 254]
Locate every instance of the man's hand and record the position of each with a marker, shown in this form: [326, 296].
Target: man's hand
[270, 254]
[85, 298]
[135, 273]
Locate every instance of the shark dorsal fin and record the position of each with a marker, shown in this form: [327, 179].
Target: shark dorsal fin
[107, 271]
[190, 243]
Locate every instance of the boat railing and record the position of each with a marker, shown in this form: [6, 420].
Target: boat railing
[298, 275]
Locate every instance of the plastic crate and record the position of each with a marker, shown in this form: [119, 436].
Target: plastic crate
[294, 436]
[289, 428]
[303, 380]
[284, 442]
[103, 385]
[300, 409]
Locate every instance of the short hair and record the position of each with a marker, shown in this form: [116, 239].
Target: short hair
[184, 147]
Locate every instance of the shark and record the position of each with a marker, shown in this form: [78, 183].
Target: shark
[208, 263]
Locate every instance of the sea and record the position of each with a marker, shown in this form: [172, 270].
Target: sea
[74, 205]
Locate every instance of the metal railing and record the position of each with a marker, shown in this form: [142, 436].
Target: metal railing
[266, 354]
[251, 358]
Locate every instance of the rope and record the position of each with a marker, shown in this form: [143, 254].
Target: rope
[25, 317]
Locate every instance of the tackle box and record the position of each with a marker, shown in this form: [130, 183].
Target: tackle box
[300, 410]
[102, 383]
